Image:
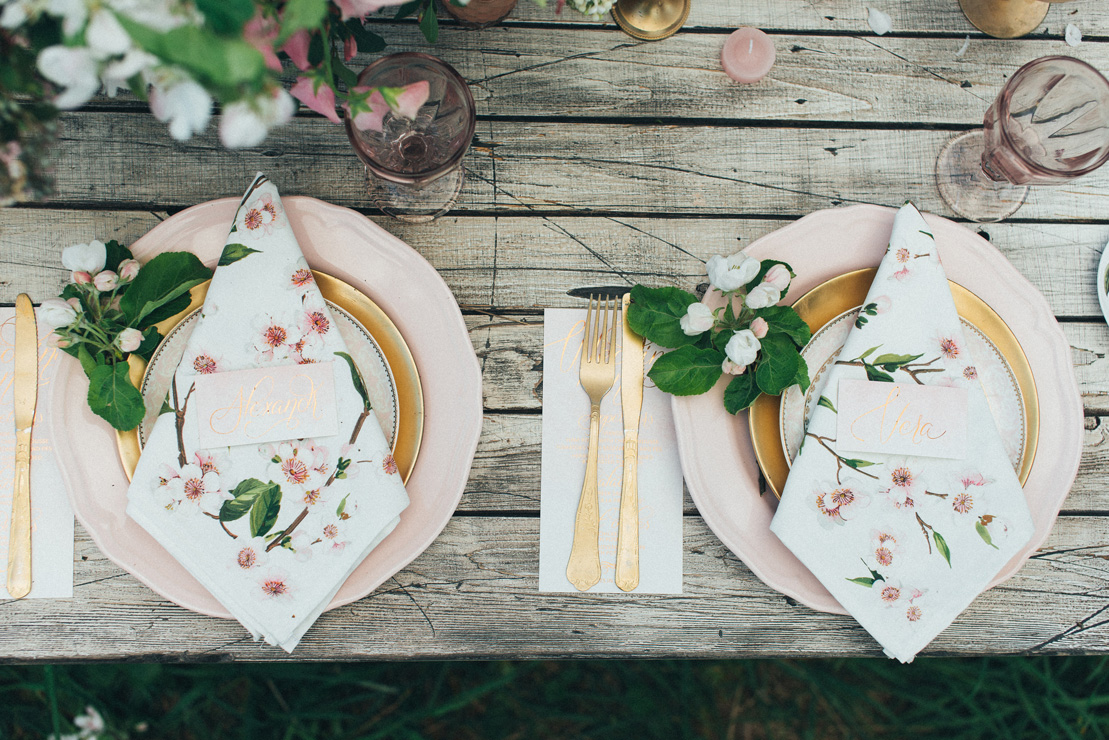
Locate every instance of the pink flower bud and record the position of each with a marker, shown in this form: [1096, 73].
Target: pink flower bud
[129, 340]
[732, 368]
[128, 269]
[53, 339]
[350, 48]
[106, 281]
[80, 277]
[778, 277]
[759, 327]
[76, 303]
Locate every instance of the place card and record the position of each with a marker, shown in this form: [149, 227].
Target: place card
[51, 516]
[901, 419]
[565, 443]
[266, 404]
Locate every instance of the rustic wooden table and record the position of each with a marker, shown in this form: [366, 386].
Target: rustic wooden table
[602, 160]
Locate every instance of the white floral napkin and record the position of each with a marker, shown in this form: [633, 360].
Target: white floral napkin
[272, 531]
[904, 543]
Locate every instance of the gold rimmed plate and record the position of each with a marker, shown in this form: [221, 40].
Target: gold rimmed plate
[832, 302]
[375, 343]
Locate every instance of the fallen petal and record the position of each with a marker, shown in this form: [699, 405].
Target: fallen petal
[879, 22]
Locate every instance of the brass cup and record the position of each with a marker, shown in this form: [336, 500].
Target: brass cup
[650, 20]
[1005, 19]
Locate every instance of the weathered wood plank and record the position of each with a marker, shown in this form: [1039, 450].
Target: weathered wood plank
[918, 16]
[605, 74]
[539, 260]
[473, 594]
[539, 168]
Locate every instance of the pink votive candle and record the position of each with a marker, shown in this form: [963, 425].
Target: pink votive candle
[748, 55]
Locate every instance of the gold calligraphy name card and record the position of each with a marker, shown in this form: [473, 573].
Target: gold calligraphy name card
[900, 419]
[266, 404]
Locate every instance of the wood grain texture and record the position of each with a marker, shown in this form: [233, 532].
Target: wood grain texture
[542, 168]
[473, 594]
[538, 260]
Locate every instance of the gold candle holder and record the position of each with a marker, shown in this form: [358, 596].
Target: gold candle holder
[1005, 19]
[650, 20]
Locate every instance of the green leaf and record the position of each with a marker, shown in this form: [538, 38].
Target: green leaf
[784, 320]
[862, 581]
[740, 393]
[263, 514]
[687, 371]
[301, 15]
[226, 17]
[873, 373]
[88, 364]
[984, 533]
[866, 354]
[368, 41]
[802, 377]
[860, 321]
[166, 277]
[826, 403]
[243, 497]
[356, 379]
[116, 253]
[232, 253]
[342, 506]
[113, 398]
[928, 234]
[429, 24]
[856, 464]
[219, 63]
[166, 408]
[408, 9]
[896, 360]
[778, 364]
[655, 313]
[941, 545]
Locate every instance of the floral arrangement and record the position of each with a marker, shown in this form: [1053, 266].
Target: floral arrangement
[749, 337]
[183, 55]
[108, 311]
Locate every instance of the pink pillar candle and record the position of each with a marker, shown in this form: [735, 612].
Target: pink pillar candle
[748, 55]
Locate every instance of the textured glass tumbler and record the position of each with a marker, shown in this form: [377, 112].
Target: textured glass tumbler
[414, 166]
[1049, 125]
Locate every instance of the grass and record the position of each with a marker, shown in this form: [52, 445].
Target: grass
[1041, 697]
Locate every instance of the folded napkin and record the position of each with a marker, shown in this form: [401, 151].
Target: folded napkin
[271, 530]
[904, 543]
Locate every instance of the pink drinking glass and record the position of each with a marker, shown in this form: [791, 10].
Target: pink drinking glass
[414, 166]
[1049, 125]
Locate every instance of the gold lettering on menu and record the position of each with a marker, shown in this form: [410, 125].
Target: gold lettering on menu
[257, 411]
[902, 425]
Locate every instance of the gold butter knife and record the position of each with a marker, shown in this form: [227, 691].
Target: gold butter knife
[25, 391]
[631, 399]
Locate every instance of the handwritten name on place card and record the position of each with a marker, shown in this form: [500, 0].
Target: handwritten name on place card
[897, 419]
[266, 404]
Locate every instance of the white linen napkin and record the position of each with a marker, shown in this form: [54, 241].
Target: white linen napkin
[273, 558]
[904, 543]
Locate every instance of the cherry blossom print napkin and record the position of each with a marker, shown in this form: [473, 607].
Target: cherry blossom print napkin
[271, 530]
[904, 543]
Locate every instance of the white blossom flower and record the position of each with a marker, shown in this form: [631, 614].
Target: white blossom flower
[129, 340]
[88, 258]
[299, 468]
[183, 104]
[732, 273]
[251, 554]
[777, 277]
[274, 584]
[90, 723]
[839, 502]
[105, 36]
[72, 68]
[16, 13]
[117, 74]
[247, 122]
[698, 319]
[743, 347]
[56, 313]
[762, 295]
[74, 14]
[193, 486]
[105, 281]
[903, 483]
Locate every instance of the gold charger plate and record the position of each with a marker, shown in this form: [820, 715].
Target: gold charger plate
[401, 365]
[844, 292]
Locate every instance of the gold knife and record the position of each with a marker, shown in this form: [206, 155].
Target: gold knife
[631, 399]
[25, 391]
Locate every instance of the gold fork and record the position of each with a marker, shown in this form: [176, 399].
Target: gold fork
[598, 369]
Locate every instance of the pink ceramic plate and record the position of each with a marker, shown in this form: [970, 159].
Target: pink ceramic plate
[715, 448]
[343, 243]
